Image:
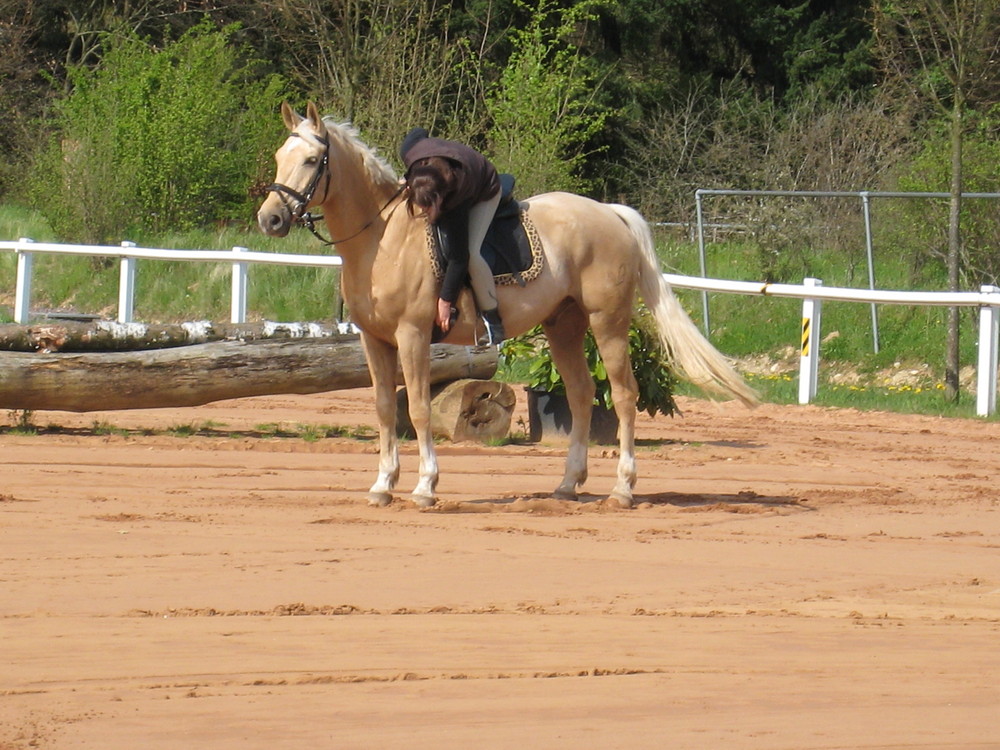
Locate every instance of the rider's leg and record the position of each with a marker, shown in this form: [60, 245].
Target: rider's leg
[483, 286]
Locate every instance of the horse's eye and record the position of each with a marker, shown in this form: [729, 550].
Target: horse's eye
[312, 161]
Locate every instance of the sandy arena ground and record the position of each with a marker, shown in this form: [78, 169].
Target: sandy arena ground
[793, 578]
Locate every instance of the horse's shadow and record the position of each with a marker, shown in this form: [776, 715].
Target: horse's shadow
[745, 501]
[653, 443]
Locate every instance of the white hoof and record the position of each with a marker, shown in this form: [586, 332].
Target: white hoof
[624, 501]
[424, 501]
[379, 499]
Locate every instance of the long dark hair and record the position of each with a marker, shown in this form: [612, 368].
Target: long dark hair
[430, 181]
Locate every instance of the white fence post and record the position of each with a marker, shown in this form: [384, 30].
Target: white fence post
[986, 369]
[22, 294]
[809, 353]
[238, 305]
[126, 287]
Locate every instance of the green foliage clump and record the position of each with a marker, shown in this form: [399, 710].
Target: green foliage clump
[542, 107]
[650, 366]
[168, 138]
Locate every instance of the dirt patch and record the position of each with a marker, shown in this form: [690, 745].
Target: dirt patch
[792, 577]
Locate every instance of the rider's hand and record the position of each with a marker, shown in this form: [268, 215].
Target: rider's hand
[444, 315]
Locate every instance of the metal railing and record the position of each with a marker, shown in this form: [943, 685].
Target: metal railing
[864, 196]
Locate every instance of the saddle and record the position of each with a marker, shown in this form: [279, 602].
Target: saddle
[511, 248]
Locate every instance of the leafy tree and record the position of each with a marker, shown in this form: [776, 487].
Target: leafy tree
[945, 53]
[20, 103]
[783, 47]
[543, 107]
[167, 138]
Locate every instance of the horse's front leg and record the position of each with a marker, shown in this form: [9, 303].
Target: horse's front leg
[382, 360]
[415, 358]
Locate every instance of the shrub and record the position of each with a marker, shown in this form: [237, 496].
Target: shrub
[650, 366]
[168, 138]
[542, 108]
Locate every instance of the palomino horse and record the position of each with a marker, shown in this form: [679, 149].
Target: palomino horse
[596, 257]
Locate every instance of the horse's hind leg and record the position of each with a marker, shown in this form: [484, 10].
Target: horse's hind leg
[611, 334]
[565, 337]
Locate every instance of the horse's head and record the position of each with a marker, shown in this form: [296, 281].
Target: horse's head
[302, 178]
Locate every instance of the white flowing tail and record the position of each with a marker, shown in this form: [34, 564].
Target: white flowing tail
[693, 357]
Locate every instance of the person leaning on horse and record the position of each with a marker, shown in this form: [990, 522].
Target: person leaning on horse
[596, 258]
[458, 190]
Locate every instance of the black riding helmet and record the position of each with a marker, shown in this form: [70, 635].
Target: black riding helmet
[415, 134]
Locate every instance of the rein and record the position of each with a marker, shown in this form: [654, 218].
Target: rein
[305, 218]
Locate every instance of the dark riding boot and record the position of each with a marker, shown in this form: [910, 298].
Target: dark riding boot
[495, 334]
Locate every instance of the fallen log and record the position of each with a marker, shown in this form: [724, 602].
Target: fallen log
[467, 409]
[201, 373]
[109, 336]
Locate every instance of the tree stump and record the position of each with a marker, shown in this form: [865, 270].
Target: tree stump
[465, 410]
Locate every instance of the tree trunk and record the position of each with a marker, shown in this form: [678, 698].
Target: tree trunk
[199, 374]
[952, 364]
[109, 336]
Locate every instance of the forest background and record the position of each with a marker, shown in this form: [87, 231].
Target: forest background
[144, 116]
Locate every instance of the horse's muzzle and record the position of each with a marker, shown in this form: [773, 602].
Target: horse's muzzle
[274, 221]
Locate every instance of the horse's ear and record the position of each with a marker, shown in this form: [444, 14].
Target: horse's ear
[312, 114]
[290, 116]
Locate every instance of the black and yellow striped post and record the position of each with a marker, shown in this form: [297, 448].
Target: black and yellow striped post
[809, 351]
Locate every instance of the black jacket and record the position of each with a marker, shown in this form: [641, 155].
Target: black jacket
[477, 181]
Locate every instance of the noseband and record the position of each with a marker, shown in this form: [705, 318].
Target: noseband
[302, 200]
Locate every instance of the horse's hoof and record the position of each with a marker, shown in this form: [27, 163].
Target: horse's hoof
[424, 501]
[379, 499]
[565, 495]
[623, 501]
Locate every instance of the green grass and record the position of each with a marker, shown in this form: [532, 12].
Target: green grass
[925, 399]
[22, 422]
[743, 325]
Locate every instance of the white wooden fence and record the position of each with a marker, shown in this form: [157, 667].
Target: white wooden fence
[811, 292]
[240, 257]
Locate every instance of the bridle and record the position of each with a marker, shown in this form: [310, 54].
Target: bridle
[302, 200]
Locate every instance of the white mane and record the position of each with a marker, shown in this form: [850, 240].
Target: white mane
[378, 168]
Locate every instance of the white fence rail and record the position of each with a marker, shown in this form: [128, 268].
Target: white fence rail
[811, 292]
[864, 196]
[240, 257]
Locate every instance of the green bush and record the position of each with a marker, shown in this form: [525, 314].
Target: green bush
[157, 139]
[543, 108]
[650, 365]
